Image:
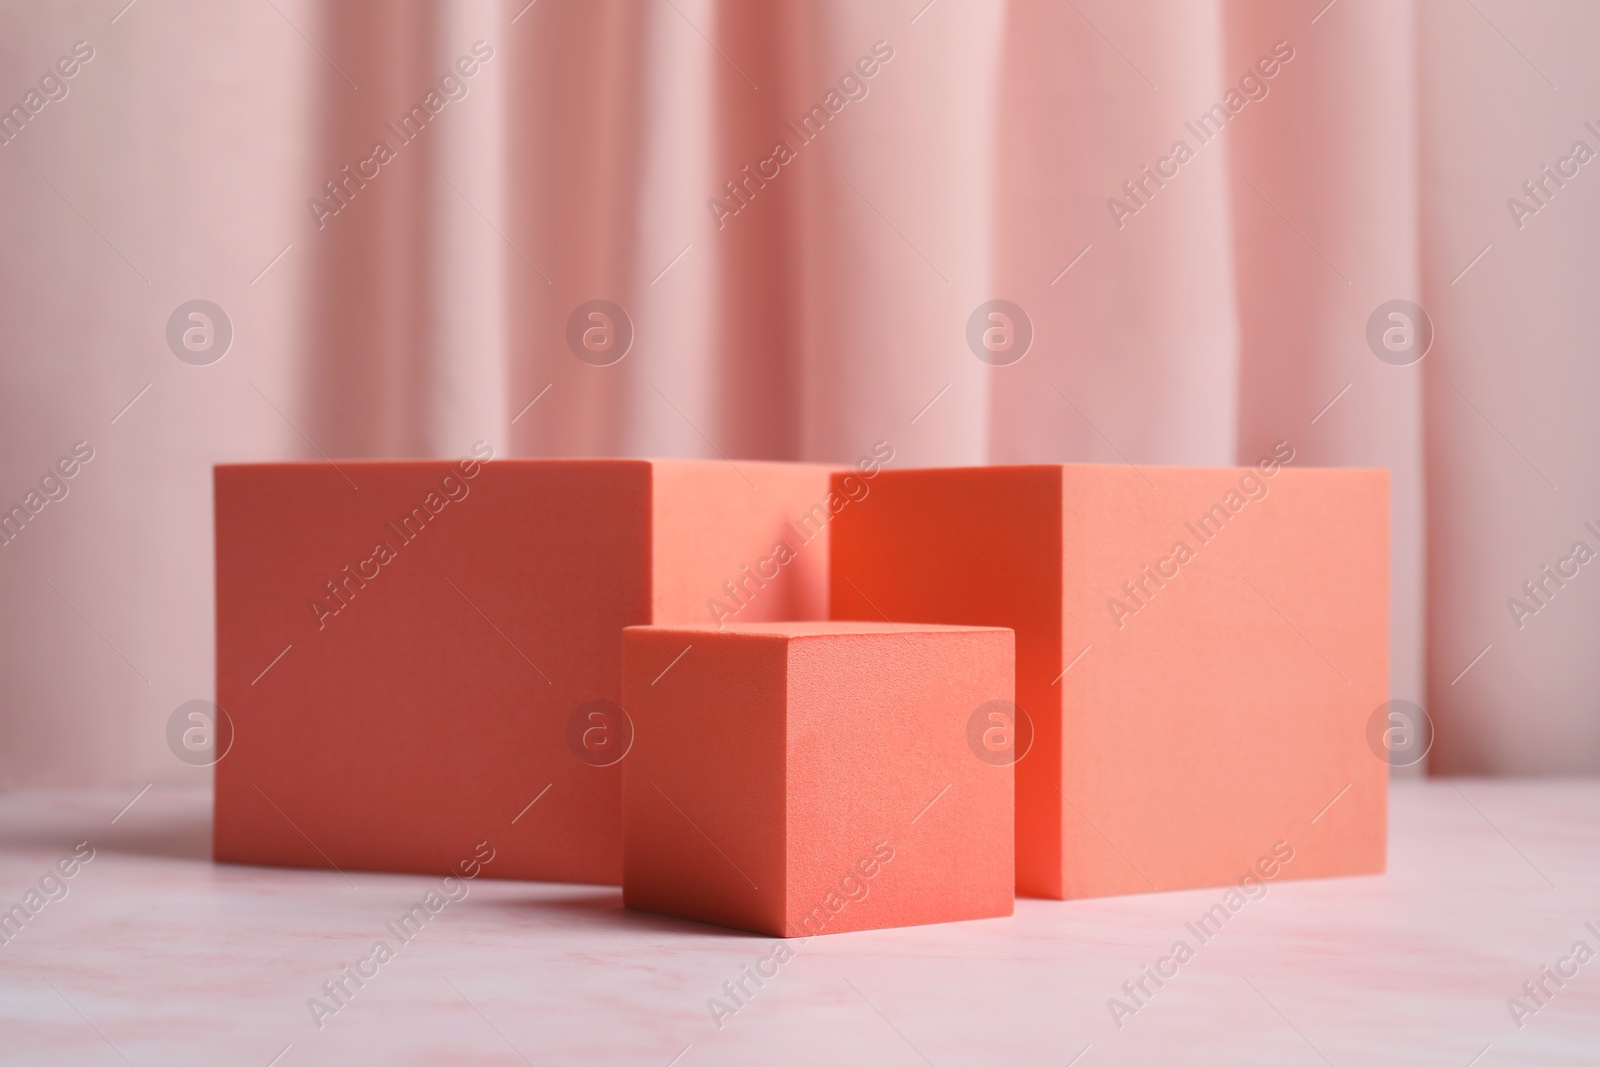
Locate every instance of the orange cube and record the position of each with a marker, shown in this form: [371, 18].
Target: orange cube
[1199, 654]
[416, 657]
[803, 778]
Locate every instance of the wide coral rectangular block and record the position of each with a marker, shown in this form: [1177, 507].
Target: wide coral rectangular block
[802, 778]
[419, 656]
[1200, 653]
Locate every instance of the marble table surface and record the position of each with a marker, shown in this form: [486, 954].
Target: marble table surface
[151, 954]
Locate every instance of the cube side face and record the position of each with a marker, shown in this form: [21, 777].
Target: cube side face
[703, 787]
[893, 820]
[976, 547]
[728, 549]
[1239, 632]
[424, 702]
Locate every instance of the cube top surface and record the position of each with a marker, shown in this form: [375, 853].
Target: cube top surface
[1115, 469]
[838, 628]
[527, 461]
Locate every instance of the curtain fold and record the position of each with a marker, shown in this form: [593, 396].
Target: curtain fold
[1509, 261]
[780, 231]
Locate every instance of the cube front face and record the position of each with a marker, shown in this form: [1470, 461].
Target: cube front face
[975, 546]
[727, 550]
[893, 819]
[419, 709]
[440, 685]
[829, 784]
[1238, 620]
[1215, 696]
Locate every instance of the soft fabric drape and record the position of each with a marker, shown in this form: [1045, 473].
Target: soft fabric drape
[802, 302]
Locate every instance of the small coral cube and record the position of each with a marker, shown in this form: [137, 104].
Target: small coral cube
[794, 779]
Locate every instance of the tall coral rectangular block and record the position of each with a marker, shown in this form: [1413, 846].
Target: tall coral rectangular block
[1201, 654]
[418, 656]
[802, 778]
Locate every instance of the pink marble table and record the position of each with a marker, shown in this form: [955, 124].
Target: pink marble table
[157, 956]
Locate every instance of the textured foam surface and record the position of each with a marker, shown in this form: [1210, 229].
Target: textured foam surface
[1186, 723]
[804, 778]
[404, 664]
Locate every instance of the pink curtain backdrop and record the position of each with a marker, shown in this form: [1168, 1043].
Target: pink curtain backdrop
[576, 162]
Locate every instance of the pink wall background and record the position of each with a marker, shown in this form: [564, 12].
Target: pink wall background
[1224, 315]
